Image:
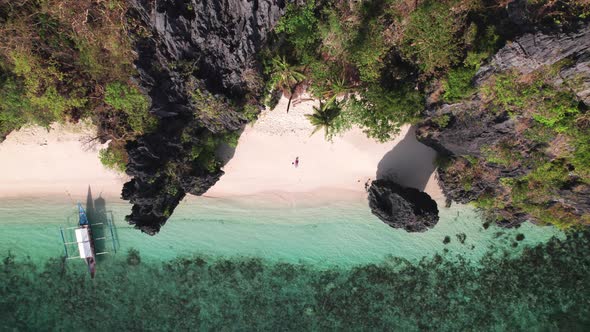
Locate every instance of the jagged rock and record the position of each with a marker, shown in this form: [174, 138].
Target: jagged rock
[219, 37]
[472, 127]
[465, 135]
[533, 50]
[196, 55]
[402, 207]
[517, 12]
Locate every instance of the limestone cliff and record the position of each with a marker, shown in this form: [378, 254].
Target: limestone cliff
[196, 61]
[530, 107]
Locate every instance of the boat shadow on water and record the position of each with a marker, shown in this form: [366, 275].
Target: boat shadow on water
[102, 223]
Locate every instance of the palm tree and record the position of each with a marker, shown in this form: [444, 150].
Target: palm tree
[332, 88]
[337, 87]
[285, 78]
[324, 116]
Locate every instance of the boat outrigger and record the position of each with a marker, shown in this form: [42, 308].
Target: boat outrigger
[84, 240]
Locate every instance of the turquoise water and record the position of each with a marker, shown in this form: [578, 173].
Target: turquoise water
[339, 233]
[243, 264]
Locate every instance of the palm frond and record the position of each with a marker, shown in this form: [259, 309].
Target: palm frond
[324, 116]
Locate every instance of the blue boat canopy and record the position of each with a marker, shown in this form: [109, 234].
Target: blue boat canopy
[83, 220]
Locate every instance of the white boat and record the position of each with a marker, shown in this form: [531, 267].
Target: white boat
[84, 240]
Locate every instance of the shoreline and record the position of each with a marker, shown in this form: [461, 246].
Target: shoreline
[60, 162]
[262, 162]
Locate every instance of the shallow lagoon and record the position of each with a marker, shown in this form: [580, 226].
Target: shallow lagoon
[342, 233]
[223, 264]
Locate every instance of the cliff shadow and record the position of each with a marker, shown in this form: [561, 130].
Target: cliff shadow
[225, 152]
[103, 229]
[410, 163]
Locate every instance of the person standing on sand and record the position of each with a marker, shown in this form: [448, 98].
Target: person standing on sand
[296, 163]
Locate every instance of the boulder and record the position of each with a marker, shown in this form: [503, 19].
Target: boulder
[402, 207]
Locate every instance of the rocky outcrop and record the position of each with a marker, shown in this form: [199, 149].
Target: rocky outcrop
[196, 61]
[219, 38]
[465, 135]
[402, 207]
[534, 50]
[474, 132]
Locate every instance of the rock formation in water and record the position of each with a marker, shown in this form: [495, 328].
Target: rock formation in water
[196, 62]
[473, 132]
[402, 207]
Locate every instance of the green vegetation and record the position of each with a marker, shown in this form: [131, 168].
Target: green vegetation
[565, 12]
[457, 84]
[324, 116]
[114, 157]
[348, 51]
[283, 77]
[202, 152]
[535, 192]
[380, 112]
[552, 117]
[430, 38]
[133, 103]
[505, 153]
[251, 112]
[62, 61]
[232, 138]
[208, 104]
[442, 120]
[299, 26]
[14, 108]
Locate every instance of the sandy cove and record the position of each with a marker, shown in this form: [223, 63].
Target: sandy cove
[36, 162]
[263, 159]
[58, 162]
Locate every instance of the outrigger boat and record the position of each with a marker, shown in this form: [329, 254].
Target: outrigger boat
[84, 240]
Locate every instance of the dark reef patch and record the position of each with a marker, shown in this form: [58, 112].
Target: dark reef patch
[461, 237]
[548, 285]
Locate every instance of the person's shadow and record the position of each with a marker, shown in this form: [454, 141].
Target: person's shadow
[410, 163]
[103, 228]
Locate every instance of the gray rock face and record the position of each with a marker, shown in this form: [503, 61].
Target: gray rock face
[193, 62]
[534, 50]
[220, 37]
[473, 128]
[465, 135]
[402, 207]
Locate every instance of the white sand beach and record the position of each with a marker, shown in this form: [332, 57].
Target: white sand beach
[59, 162]
[263, 159]
[37, 162]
